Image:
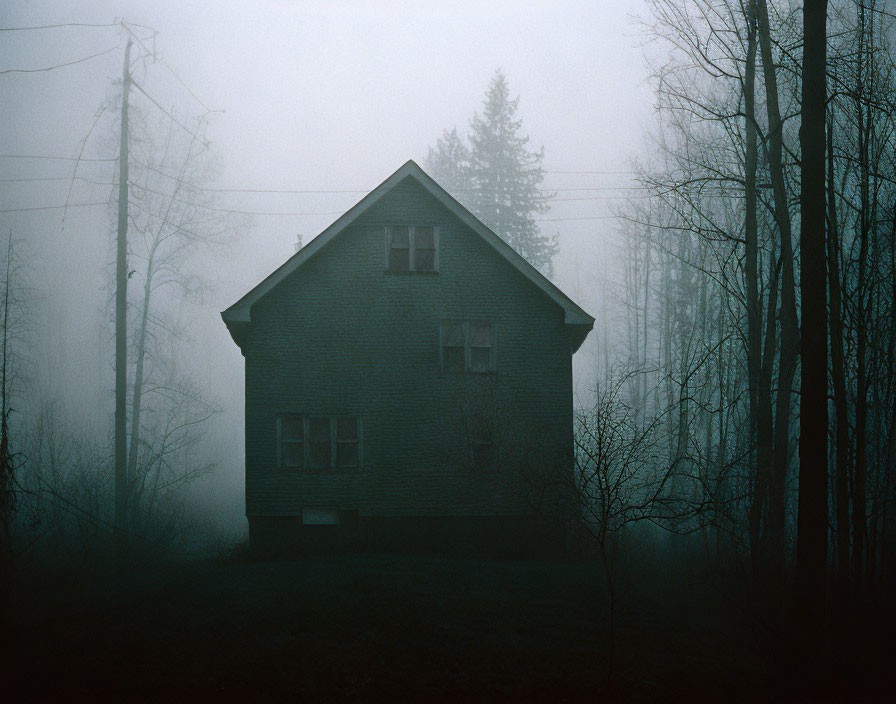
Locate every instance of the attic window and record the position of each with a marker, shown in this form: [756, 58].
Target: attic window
[412, 248]
[467, 346]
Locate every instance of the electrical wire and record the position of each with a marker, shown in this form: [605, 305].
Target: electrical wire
[53, 68]
[52, 207]
[45, 156]
[53, 26]
[172, 117]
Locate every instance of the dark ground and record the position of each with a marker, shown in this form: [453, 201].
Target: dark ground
[386, 628]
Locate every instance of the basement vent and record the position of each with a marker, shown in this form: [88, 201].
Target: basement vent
[320, 517]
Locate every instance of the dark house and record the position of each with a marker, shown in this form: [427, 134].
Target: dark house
[408, 381]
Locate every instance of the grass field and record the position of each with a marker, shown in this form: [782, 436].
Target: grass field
[377, 628]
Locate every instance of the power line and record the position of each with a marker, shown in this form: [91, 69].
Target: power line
[599, 172]
[139, 41]
[596, 217]
[229, 210]
[164, 63]
[303, 191]
[172, 117]
[52, 68]
[358, 190]
[566, 200]
[55, 178]
[53, 26]
[46, 156]
[52, 207]
[180, 80]
[243, 190]
[592, 173]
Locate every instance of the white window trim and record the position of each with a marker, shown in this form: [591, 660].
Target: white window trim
[412, 249]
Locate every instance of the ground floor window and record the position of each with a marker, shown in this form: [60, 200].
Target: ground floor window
[318, 442]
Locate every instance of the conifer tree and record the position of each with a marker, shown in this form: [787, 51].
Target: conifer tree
[449, 164]
[497, 177]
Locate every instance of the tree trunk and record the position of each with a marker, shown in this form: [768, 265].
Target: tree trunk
[838, 375]
[790, 337]
[754, 308]
[813, 499]
[859, 493]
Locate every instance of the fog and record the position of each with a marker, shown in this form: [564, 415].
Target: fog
[694, 503]
[306, 96]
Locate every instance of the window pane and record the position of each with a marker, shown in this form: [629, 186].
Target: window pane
[347, 454]
[453, 358]
[424, 259]
[346, 428]
[480, 358]
[320, 455]
[482, 335]
[399, 259]
[453, 334]
[291, 428]
[399, 236]
[423, 238]
[293, 454]
[319, 429]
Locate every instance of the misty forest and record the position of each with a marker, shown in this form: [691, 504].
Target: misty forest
[712, 181]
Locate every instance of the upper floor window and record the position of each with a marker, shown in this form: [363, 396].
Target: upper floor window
[467, 346]
[318, 443]
[412, 248]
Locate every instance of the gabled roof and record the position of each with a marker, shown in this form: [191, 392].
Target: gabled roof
[238, 316]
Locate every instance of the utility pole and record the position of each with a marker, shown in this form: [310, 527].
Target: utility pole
[6, 464]
[121, 302]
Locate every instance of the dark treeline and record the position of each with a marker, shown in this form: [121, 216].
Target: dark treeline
[745, 347]
[727, 266]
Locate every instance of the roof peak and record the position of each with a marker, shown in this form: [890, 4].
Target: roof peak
[239, 314]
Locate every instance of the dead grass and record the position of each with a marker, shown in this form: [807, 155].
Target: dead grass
[376, 628]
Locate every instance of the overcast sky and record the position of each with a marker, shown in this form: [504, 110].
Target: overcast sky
[315, 95]
[333, 94]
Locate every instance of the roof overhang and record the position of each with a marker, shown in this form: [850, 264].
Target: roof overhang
[238, 316]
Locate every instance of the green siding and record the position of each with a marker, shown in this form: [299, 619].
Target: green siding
[341, 336]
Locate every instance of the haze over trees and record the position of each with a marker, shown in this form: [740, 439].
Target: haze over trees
[57, 495]
[740, 421]
[497, 177]
[725, 272]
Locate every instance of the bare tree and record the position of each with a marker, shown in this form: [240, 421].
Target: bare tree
[173, 223]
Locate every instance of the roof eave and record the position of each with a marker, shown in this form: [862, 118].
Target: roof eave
[238, 316]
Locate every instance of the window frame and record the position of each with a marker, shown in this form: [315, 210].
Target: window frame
[412, 259]
[334, 426]
[332, 423]
[482, 440]
[281, 440]
[468, 324]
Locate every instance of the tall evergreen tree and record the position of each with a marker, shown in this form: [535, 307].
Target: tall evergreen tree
[498, 177]
[449, 164]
